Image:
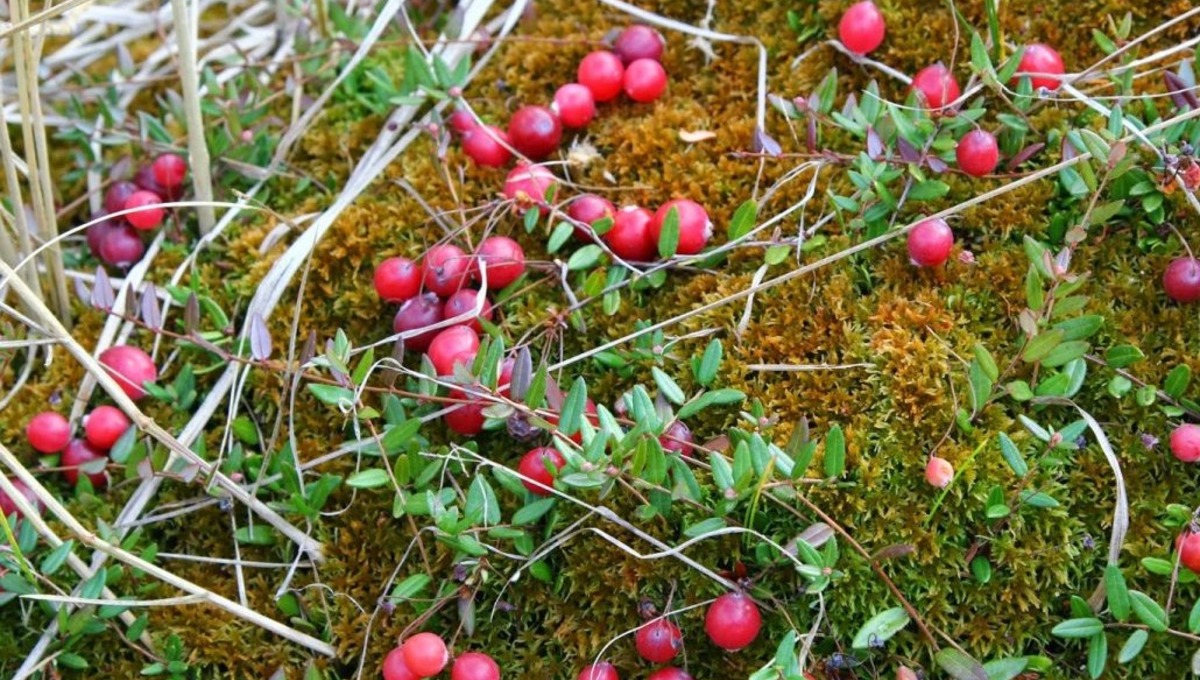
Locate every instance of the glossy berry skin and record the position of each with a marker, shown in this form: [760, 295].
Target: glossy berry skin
[669, 673]
[574, 105]
[117, 194]
[732, 621]
[397, 279]
[862, 28]
[977, 153]
[601, 671]
[475, 666]
[425, 654]
[419, 312]
[444, 269]
[145, 218]
[527, 185]
[8, 506]
[48, 432]
[603, 73]
[937, 85]
[1041, 59]
[630, 237]
[939, 472]
[533, 466]
[145, 179]
[463, 302]
[450, 345]
[486, 146]
[694, 226]
[504, 260]
[677, 438]
[929, 243]
[461, 122]
[1188, 545]
[1181, 280]
[645, 80]
[534, 131]
[121, 246]
[104, 426]
[131, 368]
[394, 667]
[95, 233]
[170, 169]
[659, 641]
[1185, 443]
[639, 42]
[589, 209]
[465, 419]
[77, 453]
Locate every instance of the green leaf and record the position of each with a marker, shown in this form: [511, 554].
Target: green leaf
[1078, 628]
[1097, 655]
[71, 660]
[1067, 351]
[331, 394]
[558, 237]
[987, 362]
[704, 527]
[1012, 455]
[743, 220]
[1005, 669]
[482, 503]
[1080, 327]
[981, 385]
[259, 534]
[1041, 345]
[710, 363]
[880, 628]
[980, 61]
[667, 386]
[1148, 611]
[959, 665]
[53, 561]
[1194, 618]
[533, 511]
[1106, 211]
[1035, 295]
[776, 254]
[1118, 592]
[928, 190]
[368, 479]
[668, 237]
[572, 408]
[1177, 381]
[122, 449]
[981, 568]
[1133, 646]
[585, 258]
[1123, 355]
[713, 398]
[835, 452]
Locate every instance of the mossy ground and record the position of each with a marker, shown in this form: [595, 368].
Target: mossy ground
[907, 325]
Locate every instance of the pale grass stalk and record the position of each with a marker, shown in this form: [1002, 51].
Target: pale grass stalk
[12, 178]
[190, 85]
[112, 601]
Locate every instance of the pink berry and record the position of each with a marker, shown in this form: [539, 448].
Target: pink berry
[977, 153]
[937, 85]
[574, 105]
[1181, 280]
[104, 426]
[486, 146]
[694, 226]
[1185, 443]
[1188, 545]
[425, 654]
[464, 302]
[397, 279]
[630, 237]
[645, 80]
[732, 621]
[445, 268]
[639, 42]
[461, 122]
[602, 73]
[504, 260]
[939, 472]
[862, 27]
[146, 180]
[48, 432]
[659, 641]
[8, 506]
[465, 419]
[121, 246]
[145, 218]
[669, 673]
[534, 131]
[117, 194]
[1043, 60]
[394, 667]
[131, 368]
[527, 186]
[929, 243]
[677, 438]
[451, 345]
[420, 312]
[601, 671]
[475, 666]
[533, 466]
[589, 209]
[78, 453]
[169, 169]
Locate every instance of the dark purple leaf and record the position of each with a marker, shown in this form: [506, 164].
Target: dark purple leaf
[522, 374]
[937, 165]
[310, 349]
[260, 338]
[1068, 150]
[200, 342]
[102, 292]
[907, 151]
[1024, 155]
[764, 143]
[150, 311]
[811, 134]
[191, 314]
[1181, 94]
[893, 551]
[874, 144]
[814, 102]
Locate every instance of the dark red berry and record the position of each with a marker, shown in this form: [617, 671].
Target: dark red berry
[462, 122]
[122, 246]
[534, 131]
[117, 194]
[475, 666]
[144, 218]
[466, 418]
[601, 671]
[1185, 443]
[527, 185]
[394, 667]
[397, 279]
[929, 243]
[463, 302]
[1043, 60]
[977, 153]
[533, 466]
[420, 312]
[104, 426]
[732, 621]
[861, 28]
[645, 80]
[677, 438]
[669, 673]
[169, 169]
[639, 42]
[445, 268]
[486, 145]
[78, 453]
[588, 209]
[145, 180]
[425, 654]
[937, 85]
[602, 73]
[694, 226]
[48, 432]
[8, 506]
[574, 105]
[131, 368]
[659, 641]
[503, 259]
[1181, 280]
[450, 346]
[96, 232]
[630, 237]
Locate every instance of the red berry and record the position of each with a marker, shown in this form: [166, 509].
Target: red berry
[862, 27]
[117, 194]
[463, 302]
[669, 673]
[145, 218]
[1188, 545]
[937, 85]
[929, 243]
[939, 472]
[589, 209]
[169, 169]
[475, 666]
[677, 438]
[397, 279]
[534, 131]
[630, 237]
[8, 506]
[465, 419]
[659, 641]
[425, 654]
[104, 426]
[1040, 59]
[645, 80]
[450, 345]
[131, 368]
[600, 671]
[48, 432]
[533, 466]
[574, 105]
[486, 145]
[639, 42]
[420, 312]
[1185, 443]
[732, 621]
[99, 229]
[394, 667]
[602, 73]
[145, 179]
[445, 269]
[121, 246]
[977, 153]
[78, 453]
[527, 185]
[1181, 280]
[462, 122]
[503, 259]
[694, 226]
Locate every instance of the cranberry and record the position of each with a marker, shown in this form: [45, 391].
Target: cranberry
[602, 73]
[645, 80]
[589, 412]
[977, 153]
[694, 226]
[48, 432]
[862, 27]
[534, 131]
[131, 367]
[589, 209]
[937, 85]
[1188, 545]
[533, 466]
[939, 472]
[732, 621]
[445, 269]
[8, 506]
[659, 641]
[677, 438]
[1181, 280]
[639, 42]
[394, 667]
[425, 654]
[96, 233]
[601, 671]
[1043, 60]
[630, 237]
[145, 179]
[487, 145]
[463, 302]
[78, 453]
[461, 122]
[104, 426]
[451, 344]
[465, 419]
[117, 194]
[122, 246]
[169, 170]
[1185, 443]
[475, 666]
[504, 260]
[397, 279]
[929, 243]
[145, 218]
[574, 105]
[669, 673]
[527, 185]
[420, 312]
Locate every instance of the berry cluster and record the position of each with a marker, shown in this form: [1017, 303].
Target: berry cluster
[117, 240]
[424, 655]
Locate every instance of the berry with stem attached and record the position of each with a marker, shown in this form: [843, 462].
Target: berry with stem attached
[461, 122]
[644, 81]
[1185, 443]
[862, 27]
[425, 654]
[131, 368]
[104, 426]
[527, 186]
[451, 346]
[475, 666]
[445, 268]
[534, 131]
[659, 641]
[504, 260]
[937, 85]
[929, 243]
[639, 42]
[601, 72]
[170, 169]
[48, 432]
[1044, 61]
[600, 671]
[939, 472]
[420, 312]
[694, 226]
[1181, 279]
[487, 145]
[397, 279]
[145, 218]
[630, 237]
[79, 453]
[534, 466]
[977, 153]
[463, 302]
[575, 105]
[732, 621]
